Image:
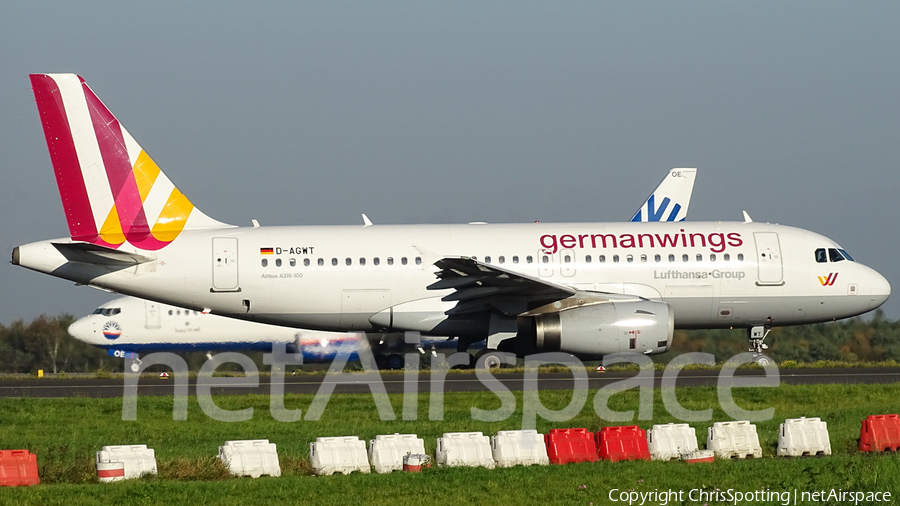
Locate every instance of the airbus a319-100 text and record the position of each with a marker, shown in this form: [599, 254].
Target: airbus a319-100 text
[588, 289]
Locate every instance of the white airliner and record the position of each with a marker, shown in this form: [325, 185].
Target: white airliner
[588, 289]
[128, 327]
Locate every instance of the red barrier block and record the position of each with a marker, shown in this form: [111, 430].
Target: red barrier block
[623, 443]
[880, 433]
[571, 445]
[18, 467]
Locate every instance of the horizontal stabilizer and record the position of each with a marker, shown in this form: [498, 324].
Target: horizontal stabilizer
[94, 254]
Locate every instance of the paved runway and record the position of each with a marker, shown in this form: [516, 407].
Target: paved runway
[466, 382]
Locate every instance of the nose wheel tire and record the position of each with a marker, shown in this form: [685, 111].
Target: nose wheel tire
[763, 360]
[135, 366]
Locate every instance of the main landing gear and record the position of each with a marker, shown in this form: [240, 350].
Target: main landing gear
[756, 336]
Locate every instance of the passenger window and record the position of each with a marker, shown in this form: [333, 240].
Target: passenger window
[390, 260]
[277, 262]
[726, 257]
[657, 258]
[501, 259]
[834, 255]
[170, 312]
[699, 257]
[567, 259]
[587, 259]
[545, 259]
[740, 257]
[516, 259]
[686, 258]
[418, 260]
[821, 257]
[334, 261]
[616, 259]
[671, 258]
[712, 257]
[529, 259]
[403, 260]
[265, 262]
[487, 259]
[629, 258]
[321, 262]
[376, 261]
[602, 259]
[362, 261]
[348, 262]
[643, 258]
[305, 262]
[293, 262]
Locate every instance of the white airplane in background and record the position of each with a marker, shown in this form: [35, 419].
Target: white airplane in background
[588, 289]
[128, 327]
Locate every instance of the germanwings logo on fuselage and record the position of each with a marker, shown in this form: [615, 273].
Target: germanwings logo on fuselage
[716, 242]
[828, 280]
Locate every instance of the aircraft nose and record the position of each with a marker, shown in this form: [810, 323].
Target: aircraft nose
[880, 290]
[83, 330]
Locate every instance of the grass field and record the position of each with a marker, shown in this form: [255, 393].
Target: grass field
[65, 434]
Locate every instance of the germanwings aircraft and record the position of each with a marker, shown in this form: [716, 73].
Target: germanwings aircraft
[128, 327]
[588, 289]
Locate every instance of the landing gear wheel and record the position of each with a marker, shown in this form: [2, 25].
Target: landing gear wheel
[763, 360]
[135, 367]
[489, 360]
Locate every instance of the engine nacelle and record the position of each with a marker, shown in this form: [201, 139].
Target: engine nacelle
[640, 326]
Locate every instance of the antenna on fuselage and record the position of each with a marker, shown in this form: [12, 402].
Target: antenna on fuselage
[747, 218]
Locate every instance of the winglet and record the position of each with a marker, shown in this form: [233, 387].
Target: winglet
[674, 189]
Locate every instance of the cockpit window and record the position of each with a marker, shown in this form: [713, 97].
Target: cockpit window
[846, 255]
[821, 256]
[108, 311]
[834, 255]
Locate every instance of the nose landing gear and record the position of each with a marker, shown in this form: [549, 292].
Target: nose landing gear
[756, 336]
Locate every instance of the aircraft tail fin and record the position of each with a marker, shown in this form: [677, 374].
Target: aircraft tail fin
[670, 200]
[112, 191]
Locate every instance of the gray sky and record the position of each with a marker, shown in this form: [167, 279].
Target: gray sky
[303, 113]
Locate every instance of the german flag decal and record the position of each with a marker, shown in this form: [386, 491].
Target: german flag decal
[266, 251]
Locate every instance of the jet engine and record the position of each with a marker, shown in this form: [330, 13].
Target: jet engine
[640, 326]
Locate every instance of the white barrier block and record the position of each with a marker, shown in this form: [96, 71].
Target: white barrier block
[329, 455]
[734, 440]
[115, 463]
[471, 449]
[803, 436]
[252, 457]
[386, 452]
[519, 447]
[669, 441]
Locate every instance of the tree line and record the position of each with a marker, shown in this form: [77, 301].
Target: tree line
[45, 344]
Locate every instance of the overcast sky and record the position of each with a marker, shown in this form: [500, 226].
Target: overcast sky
[299, 113]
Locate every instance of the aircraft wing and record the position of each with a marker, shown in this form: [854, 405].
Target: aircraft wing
[670, 200]
[479, 286]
